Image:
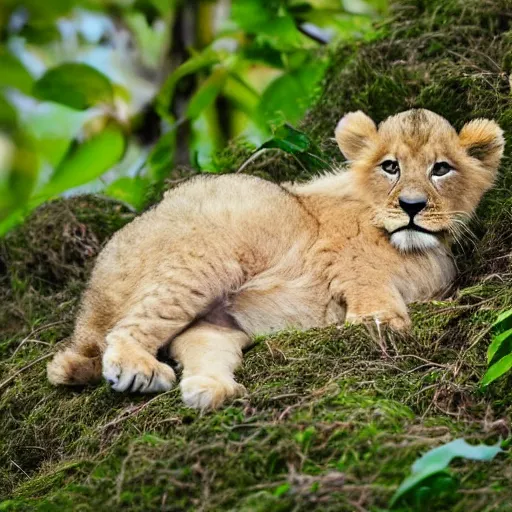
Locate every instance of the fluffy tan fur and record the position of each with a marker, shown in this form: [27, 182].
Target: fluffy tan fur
[221, 259]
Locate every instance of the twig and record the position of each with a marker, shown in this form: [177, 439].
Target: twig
[253, 157]
[129, 414]
[34, 332]
[21, 370]
[21, 469]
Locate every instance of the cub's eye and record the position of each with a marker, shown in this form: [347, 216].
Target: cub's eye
[390, 166]
[441, 168]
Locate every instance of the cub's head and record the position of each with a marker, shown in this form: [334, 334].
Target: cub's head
[423, 179]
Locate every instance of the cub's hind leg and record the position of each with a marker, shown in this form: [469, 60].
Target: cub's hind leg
[161, 313]
[209, 354]
[129, 361]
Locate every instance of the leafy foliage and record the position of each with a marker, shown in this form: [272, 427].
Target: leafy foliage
[435, 463]
[74, 103]
[75, 85]
[295, 143]
[499, 353]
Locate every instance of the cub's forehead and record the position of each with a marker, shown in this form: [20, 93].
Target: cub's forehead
[417, 127]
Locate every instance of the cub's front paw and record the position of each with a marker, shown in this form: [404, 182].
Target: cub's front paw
[131, 368]
[203, 392]
[398, 323]
[395, 320]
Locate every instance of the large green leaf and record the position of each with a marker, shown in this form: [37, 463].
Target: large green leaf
[53, 128]
[497, 370]
[289, 139]
[281, 33]
[287, 98]
[438, 459]
[294, 142]
[298, 144]
[250, 15]
[13, 73]
[268, 22]
[504, 321]
[500, 346]
[75, 85]
[87, 161]
[499, 352]
[196, 63]
[283, 100]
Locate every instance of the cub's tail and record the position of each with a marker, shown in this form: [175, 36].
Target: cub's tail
[76, 365]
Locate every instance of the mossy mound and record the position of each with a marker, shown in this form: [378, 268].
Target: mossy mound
[331, 423]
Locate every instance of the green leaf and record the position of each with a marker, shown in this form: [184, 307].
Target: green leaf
[207, 93]
[164, 99]
[504, 321]
[280, 100]
[295, 143]
[270, 24]
[53, 128]
[497, 370]
[288, 139]
[87, 161]
[14, 73]
[250, 15]
[499, 346]
[438, 459]
[287, 98]
[129, 190]
[75, 85]
[282, 34]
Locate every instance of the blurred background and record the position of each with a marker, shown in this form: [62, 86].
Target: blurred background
[108, 96]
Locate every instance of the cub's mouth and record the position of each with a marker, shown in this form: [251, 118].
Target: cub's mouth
[412, 237]
[414, 227]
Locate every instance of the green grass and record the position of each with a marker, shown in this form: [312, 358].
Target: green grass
[330, 422]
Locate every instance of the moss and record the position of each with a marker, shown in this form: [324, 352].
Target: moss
[331, 422]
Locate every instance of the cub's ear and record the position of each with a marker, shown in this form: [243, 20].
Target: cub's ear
[483, 139]
[354, 133]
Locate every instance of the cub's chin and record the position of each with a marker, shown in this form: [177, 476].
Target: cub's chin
[412, 240]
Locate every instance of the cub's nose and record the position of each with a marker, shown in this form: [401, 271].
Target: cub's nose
[412, 206]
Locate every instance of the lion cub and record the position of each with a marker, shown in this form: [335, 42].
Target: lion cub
[224, 258]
